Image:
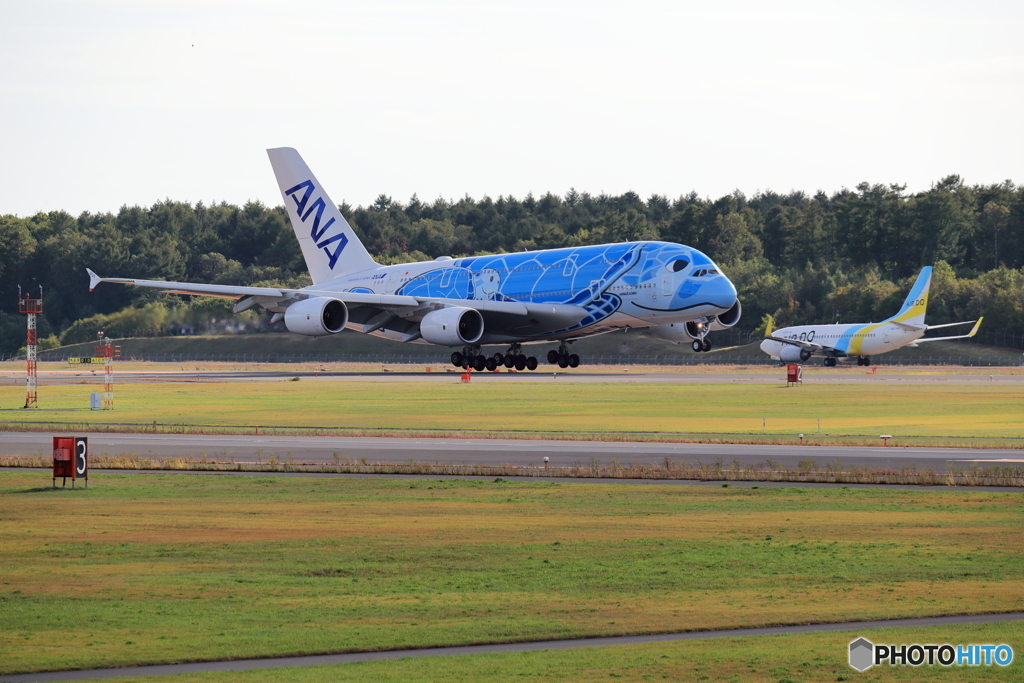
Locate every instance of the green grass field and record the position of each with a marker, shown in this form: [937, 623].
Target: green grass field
[547, 406]
[160, 568]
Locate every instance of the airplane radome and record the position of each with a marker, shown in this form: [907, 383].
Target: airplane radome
[555, 295]
[860, 341]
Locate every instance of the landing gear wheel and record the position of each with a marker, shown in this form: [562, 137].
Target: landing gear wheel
[830, 362]
[479, 363]
[510, 360]
[867, 360]
[552, 357]
[697, 345]
[563, 362]
[457, 359]
[499, 358]
[492, 364]
[520, 363]
[574, 360]
[707, 345]
[531, 363]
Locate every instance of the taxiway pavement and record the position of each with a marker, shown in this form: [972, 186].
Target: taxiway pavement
[519, 452]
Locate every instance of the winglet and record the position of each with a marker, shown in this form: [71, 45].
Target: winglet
[94, 279]
[974, 330]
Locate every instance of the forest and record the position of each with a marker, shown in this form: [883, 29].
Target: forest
[848, 256]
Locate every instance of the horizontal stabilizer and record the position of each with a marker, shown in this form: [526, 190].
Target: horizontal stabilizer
[974, 331]
[94, 279]
[966, 322]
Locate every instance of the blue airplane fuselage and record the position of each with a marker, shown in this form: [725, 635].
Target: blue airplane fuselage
[624, 285]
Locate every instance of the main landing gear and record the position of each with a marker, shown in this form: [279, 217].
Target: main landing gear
[830, 362]
[563, 358]
[864, 360]
[514, 358]
[470, 357]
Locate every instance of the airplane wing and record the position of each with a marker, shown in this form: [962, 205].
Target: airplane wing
[269, 294]
[810, 346]
[974, 331]
[500, 314]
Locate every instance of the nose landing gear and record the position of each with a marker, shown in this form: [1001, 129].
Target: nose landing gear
[702, 344]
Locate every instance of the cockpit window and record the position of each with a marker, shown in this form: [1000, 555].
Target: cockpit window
[705, 271]
[678, 265]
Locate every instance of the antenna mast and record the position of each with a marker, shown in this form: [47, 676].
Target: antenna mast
[30, 307]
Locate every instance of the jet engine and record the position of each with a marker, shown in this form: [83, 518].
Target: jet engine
[316, 317]
[793, 354]
[727, 319]
[452, 326]
[673, 332]
[695, 330]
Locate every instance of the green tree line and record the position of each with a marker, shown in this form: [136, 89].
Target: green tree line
[797, 257]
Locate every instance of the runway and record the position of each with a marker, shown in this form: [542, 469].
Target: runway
[519, 452]
[186, 372]
[321, 660]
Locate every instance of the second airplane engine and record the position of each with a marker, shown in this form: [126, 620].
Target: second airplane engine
[727, 319]
[452, 326]
[316, 317]
[673, 332]
[793, 354]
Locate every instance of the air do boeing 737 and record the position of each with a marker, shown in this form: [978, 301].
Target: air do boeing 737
[861, 341]
[554, 295]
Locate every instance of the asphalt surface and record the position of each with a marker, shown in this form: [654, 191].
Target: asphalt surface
[320, 660]
[520, 452]
[887, 375]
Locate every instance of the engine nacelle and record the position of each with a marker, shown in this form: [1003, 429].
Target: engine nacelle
[316, 317]
[727, 319]
[695, 330]
[452, 326]
[673, 332]
[793, 354]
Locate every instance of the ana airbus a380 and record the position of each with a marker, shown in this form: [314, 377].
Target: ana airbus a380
[554, 295]
[861, 341]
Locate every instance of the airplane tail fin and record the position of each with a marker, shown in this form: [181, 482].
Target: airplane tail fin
[329, 245]
[913, 309]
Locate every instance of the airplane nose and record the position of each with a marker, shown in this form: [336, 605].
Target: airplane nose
[721, 293]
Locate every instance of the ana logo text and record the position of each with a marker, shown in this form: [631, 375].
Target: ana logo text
[315, 231]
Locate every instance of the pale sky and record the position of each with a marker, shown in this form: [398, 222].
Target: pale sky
[110, 103]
